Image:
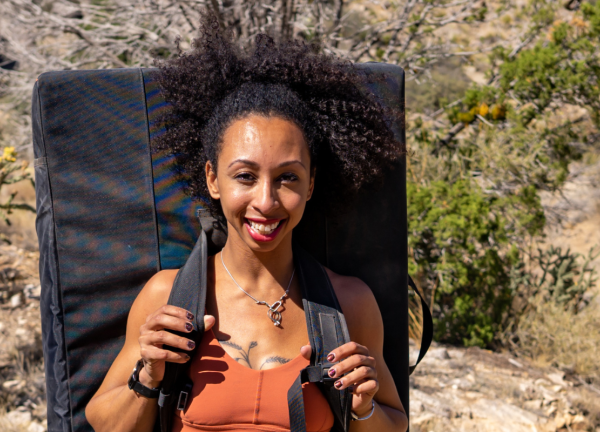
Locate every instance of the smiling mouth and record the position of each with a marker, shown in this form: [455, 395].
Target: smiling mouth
[262, 228]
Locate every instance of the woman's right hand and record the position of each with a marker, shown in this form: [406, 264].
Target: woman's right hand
[154, 334]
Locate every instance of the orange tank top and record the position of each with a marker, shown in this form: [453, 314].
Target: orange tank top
[230, 397]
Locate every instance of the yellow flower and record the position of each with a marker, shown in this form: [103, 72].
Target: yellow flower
[483, 109]
[9, 154]
[498, 112]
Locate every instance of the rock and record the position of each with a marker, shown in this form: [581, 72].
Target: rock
[33, 292]
[10, 384]
[19, 417]
[533, 404]
[16, 301]
[438, 354]
[515, 363]
[557, 378]
[416, 408]
[559, 421]
[36, 427]
[579, 423]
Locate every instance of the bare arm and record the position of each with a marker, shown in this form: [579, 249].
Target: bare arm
[115, 407]
[362, 360]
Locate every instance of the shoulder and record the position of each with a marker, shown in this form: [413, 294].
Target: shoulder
[155, 293]
[359, 306]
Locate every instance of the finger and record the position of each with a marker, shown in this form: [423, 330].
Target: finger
[151, 355]
[363, 372]
[160, 338]
[306, 351]
[209, 321]
[169, 322]
[365, 387]
[171, 310]
[351, 363]
[346, 350]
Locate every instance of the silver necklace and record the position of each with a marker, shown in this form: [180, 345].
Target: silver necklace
[273, 311]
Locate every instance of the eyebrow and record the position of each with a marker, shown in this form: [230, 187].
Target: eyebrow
[254, 164]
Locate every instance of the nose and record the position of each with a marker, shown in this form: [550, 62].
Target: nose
[265, 199]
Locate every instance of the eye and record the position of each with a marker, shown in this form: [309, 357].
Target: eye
[288, 177]
[244, 177]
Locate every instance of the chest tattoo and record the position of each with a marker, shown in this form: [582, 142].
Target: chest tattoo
[244, 355]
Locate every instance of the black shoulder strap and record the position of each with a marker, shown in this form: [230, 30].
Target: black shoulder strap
[427, 335]
[188, 292]
[327, 330]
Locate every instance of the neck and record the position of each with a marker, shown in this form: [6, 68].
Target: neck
[265, 273]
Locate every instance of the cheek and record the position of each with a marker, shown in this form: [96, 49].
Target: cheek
[233, 197]
[294, 202]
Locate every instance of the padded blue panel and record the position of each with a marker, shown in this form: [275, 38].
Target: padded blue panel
[95, 140]
[178, 226]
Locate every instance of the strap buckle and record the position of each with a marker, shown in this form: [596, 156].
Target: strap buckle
[325, 371]
[183, 396]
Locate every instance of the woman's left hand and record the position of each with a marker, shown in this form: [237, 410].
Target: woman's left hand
[361, 374]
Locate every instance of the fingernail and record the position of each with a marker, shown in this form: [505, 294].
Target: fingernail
[331, 357]
[188, 327]
[191, 344]
[190, 316]
[187, 357]
[331, 372]
[338, 384]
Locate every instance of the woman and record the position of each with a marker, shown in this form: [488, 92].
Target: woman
[261, 135]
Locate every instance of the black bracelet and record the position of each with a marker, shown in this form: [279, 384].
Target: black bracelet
[135, 384]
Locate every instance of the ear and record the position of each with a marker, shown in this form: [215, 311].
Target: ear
[311, 186]
[211, 181]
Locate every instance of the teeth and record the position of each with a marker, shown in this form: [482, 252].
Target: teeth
[263, 229]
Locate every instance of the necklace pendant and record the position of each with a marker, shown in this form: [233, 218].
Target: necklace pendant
[275, 316]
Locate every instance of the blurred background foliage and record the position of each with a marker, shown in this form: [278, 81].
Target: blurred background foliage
[474, 199]
[502, 98]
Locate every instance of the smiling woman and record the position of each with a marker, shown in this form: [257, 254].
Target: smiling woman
[258, 137]
[264, 168]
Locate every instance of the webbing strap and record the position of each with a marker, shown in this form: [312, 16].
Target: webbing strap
[296, 406]
[188, 292]
[427, 334]
[313, 374]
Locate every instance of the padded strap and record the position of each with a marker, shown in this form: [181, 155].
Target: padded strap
[188, 292]
[427, 334]
[327, 330]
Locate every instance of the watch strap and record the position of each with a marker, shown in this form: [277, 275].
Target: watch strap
[135, 384]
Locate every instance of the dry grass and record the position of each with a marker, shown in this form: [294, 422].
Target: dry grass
[22, 383]
[21, 373]
[552, 336]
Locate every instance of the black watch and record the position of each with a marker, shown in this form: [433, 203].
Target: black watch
[135, 384]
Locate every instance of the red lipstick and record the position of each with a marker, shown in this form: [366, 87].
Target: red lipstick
[264, 237]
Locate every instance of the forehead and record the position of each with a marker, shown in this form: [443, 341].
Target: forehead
[263, 140]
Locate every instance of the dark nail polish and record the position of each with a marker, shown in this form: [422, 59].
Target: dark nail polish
[331, 372]
[338, 384]
[191, 344]
[189, 326]
[331, 357]
[190, 316]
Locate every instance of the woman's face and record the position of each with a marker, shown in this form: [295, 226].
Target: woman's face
[263, 180]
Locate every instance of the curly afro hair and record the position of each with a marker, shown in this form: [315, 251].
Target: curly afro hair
[217, 83]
